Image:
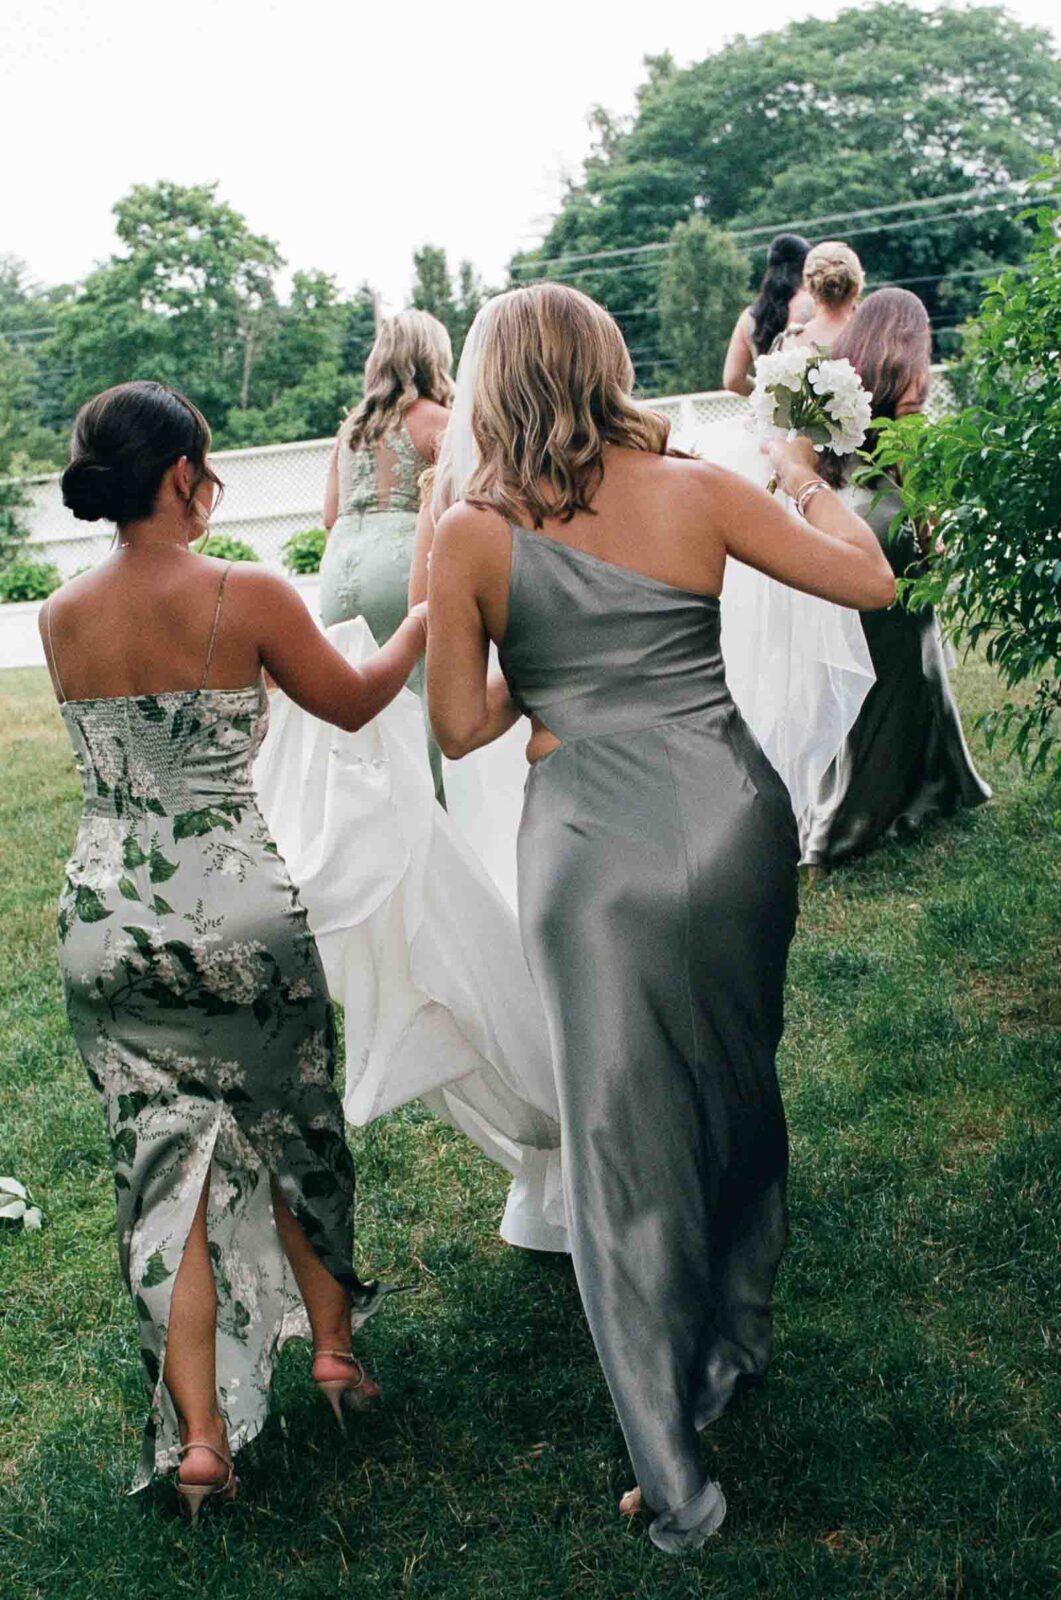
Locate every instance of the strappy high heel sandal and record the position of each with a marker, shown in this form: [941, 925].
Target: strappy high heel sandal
[355, 1393]
[191, 1496]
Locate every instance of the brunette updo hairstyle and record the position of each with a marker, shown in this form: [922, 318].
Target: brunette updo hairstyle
[124, 441]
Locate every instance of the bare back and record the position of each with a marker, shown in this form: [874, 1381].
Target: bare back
[142, 623]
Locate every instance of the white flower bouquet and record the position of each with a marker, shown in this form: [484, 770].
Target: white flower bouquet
[802, 391]
[15, 1206]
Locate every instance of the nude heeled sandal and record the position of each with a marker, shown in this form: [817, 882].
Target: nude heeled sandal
[346, 1394]
[191, 1496]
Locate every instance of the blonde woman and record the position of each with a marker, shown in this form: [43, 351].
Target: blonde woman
[373, 493]
[834, 279]
[657, 851]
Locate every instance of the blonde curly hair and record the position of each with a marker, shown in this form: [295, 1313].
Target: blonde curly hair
[412, 359]
[552, 389]
[832, 273]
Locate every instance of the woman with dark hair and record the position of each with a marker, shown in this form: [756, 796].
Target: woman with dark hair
[192, 980]
[906, 759]
[782, 299]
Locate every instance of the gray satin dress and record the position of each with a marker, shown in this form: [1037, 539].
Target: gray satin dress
[905, 761]
[657, 890]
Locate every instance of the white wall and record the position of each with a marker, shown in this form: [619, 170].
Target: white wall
[270, 493]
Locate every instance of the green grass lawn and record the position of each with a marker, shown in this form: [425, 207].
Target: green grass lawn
[907, 1440]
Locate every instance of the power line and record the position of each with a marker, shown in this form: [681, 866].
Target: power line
[786, 227]
[852, 233]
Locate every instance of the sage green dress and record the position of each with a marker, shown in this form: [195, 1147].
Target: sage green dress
[365, 569]
[198, 1002]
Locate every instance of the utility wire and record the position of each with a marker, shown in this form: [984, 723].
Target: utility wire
[786, 227]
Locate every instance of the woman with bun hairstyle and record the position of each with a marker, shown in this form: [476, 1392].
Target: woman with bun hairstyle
[192, 981]
[905, 761]
[833, 278]
[781, 300]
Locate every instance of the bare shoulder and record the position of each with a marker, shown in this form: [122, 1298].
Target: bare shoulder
[473, 537]
[253, 587]
[426, 422]
[68, 596]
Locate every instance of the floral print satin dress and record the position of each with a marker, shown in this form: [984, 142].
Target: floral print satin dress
[197, 1000]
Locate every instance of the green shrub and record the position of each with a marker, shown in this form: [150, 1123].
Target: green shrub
[304, 552]
[988, 477]
[225, 548]
[27, 579]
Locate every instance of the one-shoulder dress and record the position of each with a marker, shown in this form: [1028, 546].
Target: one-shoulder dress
[657, 864]
[197, 1000]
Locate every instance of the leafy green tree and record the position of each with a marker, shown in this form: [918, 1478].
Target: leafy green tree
[704, 288]
[27, 318]
[989, 479]
[433, 290]
[189, 300]
[433, 285]
[882, 104]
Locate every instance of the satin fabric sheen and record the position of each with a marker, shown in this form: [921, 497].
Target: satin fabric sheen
[657, 866]
[905, 762]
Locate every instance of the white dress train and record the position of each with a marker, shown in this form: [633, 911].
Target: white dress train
[418, 945]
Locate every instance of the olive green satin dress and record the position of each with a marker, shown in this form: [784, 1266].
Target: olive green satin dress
[905, 761]
[657, 892]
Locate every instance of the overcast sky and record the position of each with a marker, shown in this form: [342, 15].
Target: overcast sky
[350, 133]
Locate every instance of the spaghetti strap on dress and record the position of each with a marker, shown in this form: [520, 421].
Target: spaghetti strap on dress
[197, 1000]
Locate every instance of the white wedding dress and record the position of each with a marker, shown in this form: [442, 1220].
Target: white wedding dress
[418, 945]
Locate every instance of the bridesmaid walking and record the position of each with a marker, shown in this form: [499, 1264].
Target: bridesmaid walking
[781, 300]
[657, 850]
[905, 761]
[192, 981]
[373, 494]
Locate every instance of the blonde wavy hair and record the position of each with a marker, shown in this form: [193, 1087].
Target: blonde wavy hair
[832, 273]
[412, 359]
[552, 389]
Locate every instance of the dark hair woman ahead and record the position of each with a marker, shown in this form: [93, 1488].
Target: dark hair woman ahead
[782, 299]
[192, 980]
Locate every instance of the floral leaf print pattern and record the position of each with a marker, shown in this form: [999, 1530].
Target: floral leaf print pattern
[197, 1000]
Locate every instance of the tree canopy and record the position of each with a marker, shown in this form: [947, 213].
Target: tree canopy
[934, 116]
[879, 107]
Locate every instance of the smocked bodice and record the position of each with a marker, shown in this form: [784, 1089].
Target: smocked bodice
[381, 477]
[180, 752]
[593, 649]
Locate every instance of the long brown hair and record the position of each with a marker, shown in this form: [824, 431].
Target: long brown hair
[889, 343]
[412, 359]
[553, 388]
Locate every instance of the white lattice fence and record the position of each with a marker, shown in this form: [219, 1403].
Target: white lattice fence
[278, 490]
